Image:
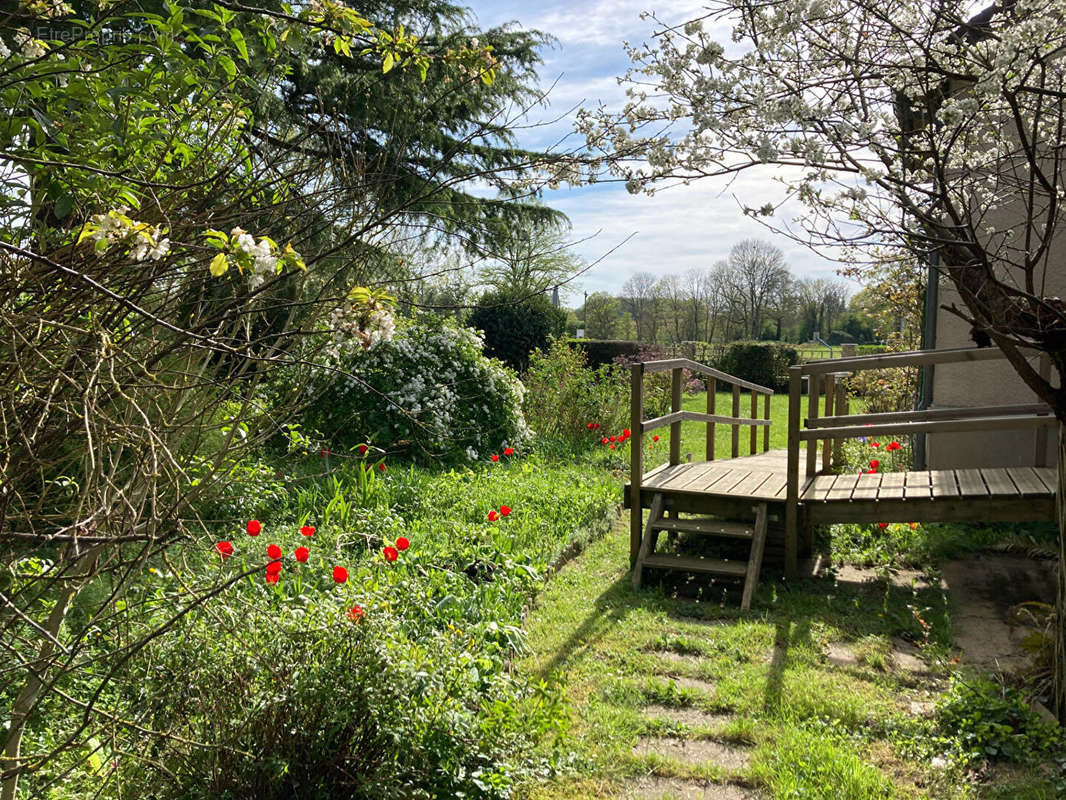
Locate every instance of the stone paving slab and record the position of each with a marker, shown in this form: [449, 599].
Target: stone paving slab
[693, 751]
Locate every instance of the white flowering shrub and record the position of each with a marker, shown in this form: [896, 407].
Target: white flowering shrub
[429, 390]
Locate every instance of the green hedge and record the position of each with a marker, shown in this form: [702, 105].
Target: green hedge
[764, 363]
[604, 351]
[515, 324]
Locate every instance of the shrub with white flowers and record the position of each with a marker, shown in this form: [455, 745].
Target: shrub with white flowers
[116, 227]
[429, 390]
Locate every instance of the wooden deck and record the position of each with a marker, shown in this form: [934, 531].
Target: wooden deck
[1008, 493]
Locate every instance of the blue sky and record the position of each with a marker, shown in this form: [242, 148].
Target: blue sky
[674, 231]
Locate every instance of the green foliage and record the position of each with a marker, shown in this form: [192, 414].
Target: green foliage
[515, 325]
[598, 352]
[429, 392]
[764, 363]
[985, 721]
[885, 390]
[563, 395]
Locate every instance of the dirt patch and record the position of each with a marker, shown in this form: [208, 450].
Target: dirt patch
[672, 659]
[982, 590]
[691, 717]
[840, 655]
[655, 788]
[692, 684]
[903, 578]
[693, 751]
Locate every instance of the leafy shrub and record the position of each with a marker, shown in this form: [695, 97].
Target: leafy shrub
[598, 352]
[885, 390]
[515, 325]
[430, 391]
[563, 396]
[764, 363]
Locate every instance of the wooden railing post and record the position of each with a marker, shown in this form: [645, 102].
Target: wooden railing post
[675, 405]
[842, 410]
[827, 444]
[712, 392]
[636, 459]
[736, 415]
[754, 415]
[795, 397]
[766, 429]
[813, 391]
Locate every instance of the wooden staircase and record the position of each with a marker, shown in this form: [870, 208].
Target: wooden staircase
[755, 532]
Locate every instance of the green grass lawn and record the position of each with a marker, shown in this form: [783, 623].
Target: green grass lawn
[759, 683]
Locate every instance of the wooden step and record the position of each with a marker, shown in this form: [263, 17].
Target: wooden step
[713, 566]
[708, 525]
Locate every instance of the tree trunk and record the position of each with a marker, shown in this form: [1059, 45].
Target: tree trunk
[1060, 607]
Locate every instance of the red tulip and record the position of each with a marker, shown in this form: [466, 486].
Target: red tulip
[882, 525]
[273, 551]
[302, 554]
[603, 440]
[590, 425]
[508, 451]
[655, 438]
[614, 438]
[340, 575]
[253, 527]
[893, 446]
[307, 530]
[505, 510]
[874, 463]
[355, 613]
[612, 447]
[494, 457]
[273, 577]
[390, 554]
[362, 449]
[381, 467]
[875, 444]
[402, 543]
[225, 549]
[626, 433]
[493, 516]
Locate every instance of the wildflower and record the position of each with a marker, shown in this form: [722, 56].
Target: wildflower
[254, 527]
[893, 446]
[225, 549]
[493, 516]
[508, 451]
[381, 467]
[307, 530]
[302, 554]
[390, 554]
[273, 577]
[355, 613]
[273, 551]
[340, 575]
[362, 449]
[505, 511]
[402, 544]
[874, 463]
[494, 458]
[882, 525]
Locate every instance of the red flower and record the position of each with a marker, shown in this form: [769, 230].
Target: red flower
[874, 463]
[355, 613]
[882, 525]
[273, 577]
[225, 549]
[362, 449]
[612, 447]
[307, 530]
[254, 527]
[323, 452]
[655, 438]
[402, 543]
[390, 554]
[494, 457]
[875, 444]
[302, 554]
[381, 467]
[869, 472]
[626, 433]
[505, 510]
[273, 551]
[340, 575]
[508, 451]
[274, 568]
[493, 516]
[591, 425]
[614, 438]
[603, 440]
[893, 446]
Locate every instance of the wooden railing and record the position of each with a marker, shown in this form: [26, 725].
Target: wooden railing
[639, 426]
[836, 424]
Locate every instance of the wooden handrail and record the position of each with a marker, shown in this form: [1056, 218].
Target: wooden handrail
[910, 358]
[933, 426]
[931, 414]
[711, 372]
[696, 416]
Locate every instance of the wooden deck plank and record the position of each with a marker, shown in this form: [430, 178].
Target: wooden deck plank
[730, 482]
[970, 483]
[750, 485]
[692, 475]
[999, 482]
[1027, 481]
[843, 486]
[867, 486]
[713, 481]
[818, 488]
[1049, 476]
[657, 478]
[943, 483]
[892, 486]
[917, 485]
